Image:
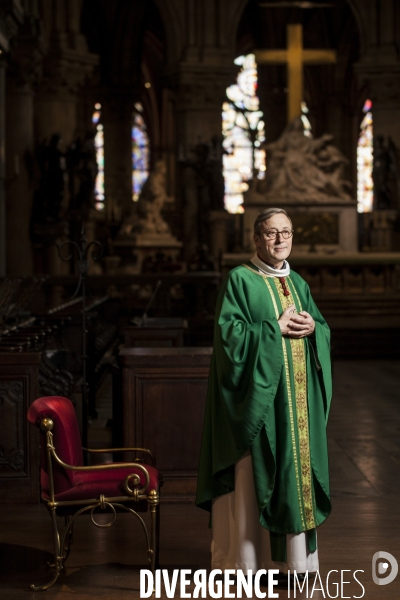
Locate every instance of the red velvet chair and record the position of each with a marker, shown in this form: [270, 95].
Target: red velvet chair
[70, 489]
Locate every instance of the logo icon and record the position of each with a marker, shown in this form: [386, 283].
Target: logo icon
[383, 568]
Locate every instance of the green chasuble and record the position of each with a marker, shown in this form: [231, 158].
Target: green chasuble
[269, 394]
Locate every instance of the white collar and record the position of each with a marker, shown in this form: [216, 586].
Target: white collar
[268, 270]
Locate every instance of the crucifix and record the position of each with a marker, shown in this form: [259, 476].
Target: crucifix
[295, 56]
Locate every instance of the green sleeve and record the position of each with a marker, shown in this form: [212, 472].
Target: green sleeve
[245, 371]
[321, 349]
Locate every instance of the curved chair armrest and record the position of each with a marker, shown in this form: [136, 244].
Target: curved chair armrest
[105, 467]
[108, 450]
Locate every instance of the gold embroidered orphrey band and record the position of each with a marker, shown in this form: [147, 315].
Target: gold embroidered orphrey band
[302, 467]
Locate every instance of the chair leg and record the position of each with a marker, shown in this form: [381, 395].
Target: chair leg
[157, 558]
[57, 555]
[153, 538]
[154, 502]
[69, 538]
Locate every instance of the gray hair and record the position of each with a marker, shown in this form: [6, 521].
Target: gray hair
[266, 214]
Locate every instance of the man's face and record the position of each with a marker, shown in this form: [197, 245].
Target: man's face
[274, 250]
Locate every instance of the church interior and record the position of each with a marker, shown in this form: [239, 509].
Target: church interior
[139, 140]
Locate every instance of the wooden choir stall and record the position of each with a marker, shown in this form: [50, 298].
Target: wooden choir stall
[40, 355]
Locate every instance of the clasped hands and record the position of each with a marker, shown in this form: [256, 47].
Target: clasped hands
[296, 325]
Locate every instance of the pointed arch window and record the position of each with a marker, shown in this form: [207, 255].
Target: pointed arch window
[243, 133]
[140, 152]
[365, 160]
[99, 145]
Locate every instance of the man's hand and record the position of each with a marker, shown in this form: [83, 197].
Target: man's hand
[301, 325]
[285, 319]
[296, 325]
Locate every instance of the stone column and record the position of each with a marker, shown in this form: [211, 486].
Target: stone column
[67, 66]
[55, 108]
[379, 66]
[201, 45]
[24, 71]
[383, 82]
[200, 94]
[379, 70]
[220, 221]
[19, 183]
[11, 16]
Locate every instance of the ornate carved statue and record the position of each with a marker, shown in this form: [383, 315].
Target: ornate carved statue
[146, 217]
[77, 169]
[203, 185]
[82, 172]
[302, 169]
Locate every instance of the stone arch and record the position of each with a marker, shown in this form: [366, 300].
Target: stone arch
[171, 16]
[361, 20]
[236, 9]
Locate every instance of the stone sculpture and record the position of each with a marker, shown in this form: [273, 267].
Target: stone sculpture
[301, 169]
[146, 217]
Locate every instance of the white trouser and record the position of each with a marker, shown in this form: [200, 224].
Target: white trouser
[239, 541]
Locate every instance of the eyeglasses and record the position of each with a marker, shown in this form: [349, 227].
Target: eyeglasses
[272, 233]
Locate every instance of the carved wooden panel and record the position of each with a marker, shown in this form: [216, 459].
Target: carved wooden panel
[163, 395]
[19, 442]
[316, 228]
[12, 429]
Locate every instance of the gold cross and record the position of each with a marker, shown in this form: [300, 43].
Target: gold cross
[295, 56]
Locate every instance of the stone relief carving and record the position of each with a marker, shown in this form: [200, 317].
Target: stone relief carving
[301, 169]
[82, 169]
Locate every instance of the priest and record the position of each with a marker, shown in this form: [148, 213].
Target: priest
[264, 464]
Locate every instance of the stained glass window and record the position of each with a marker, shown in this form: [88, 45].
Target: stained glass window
[365, 159]
[140, 152]
[99, 145]
[243, 132]
[306, 120]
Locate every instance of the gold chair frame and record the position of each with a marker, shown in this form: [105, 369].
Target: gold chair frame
[62, 544]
